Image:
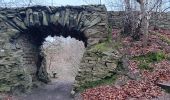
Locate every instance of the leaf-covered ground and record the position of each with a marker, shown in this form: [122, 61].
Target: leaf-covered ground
[153, 69]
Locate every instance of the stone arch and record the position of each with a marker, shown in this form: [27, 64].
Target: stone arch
[85, 23]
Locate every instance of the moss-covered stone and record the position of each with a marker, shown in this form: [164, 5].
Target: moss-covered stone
[104, 81]
[5, 87]
[99, 66]
[101, 47]
[12, 74]
[109, 37]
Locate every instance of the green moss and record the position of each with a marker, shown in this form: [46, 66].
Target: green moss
[117, 45]
[109, 37]
[168, 57]
[167, 90]
[164, 38]
[4, 85]
[101, 47]
[106, 45]
[145, 66]
[16, 78]
[5, 88]
[120, 66]
[105, 81]
[151, 57]
[158, 56]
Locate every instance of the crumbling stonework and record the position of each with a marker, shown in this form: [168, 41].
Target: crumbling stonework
[22, 31]
[99, 62]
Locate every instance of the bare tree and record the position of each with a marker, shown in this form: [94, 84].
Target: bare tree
[30, 1]
[146, 9]
[128, 18]
[137, 20]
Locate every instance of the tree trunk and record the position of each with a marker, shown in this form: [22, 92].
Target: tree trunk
[127, 21]
[144, 22]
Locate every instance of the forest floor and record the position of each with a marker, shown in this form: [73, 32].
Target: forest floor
[148, 70]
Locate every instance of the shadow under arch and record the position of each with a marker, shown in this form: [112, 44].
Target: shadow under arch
[39, 33]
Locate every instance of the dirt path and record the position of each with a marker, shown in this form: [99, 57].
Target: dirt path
[59, 89]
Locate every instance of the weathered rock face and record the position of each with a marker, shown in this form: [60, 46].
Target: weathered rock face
[22, 31]
[13, 75]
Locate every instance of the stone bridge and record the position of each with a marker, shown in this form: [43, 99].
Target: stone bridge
[23, 30]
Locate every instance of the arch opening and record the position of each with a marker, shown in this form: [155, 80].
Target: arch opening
[63, 56]
[31, 41]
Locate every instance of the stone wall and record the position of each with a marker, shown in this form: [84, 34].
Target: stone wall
[29, 54]
[115, 19]
[22, 31]
[160, 21]
[13, 76]
[99, 62]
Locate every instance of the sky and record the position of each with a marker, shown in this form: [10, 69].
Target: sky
[19, 3]
[51, 39]
[83, 2]
[110, 4]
